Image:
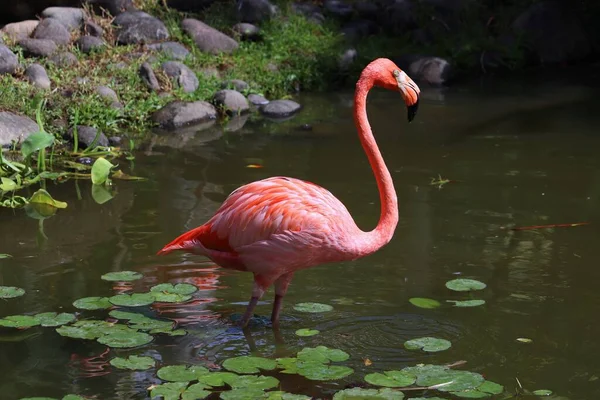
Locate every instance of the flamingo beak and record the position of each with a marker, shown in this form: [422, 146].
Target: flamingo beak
[410, 92]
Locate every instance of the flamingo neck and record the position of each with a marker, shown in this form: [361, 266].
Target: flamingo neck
[382, 234]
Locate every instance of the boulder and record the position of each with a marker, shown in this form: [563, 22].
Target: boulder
[93, 29]
[173, 50]
[38, 47]
[87, 44]
[9, 62]
[179, 114]
[247, 31]
[358, 29]
[15, 127]
[86, 136]
[434, 71]
[338, 8]
[107, 93]
[148, 77]
[281, 108]
[64, 59]
[347, 59]
[231, 101]
[398, 17]
[257, 99]
[20, 30]
[208, 40]
[37, 76]
[136, 27]
[185, 78]
[70, 17]
[255, 11]
[52, 29]
[236, 84]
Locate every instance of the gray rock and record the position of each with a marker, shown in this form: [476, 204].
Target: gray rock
[20, 30]
[115, 7]
[117, 105]
[70, 17]
[36, 74]
[52, 29]
[338, 8]
[236, 84]
[139, 27]
[347, 59]
[398, 17]
[358, 29]
[281, 108]
[178, 114]
[255, 10]
[173, 50]
[434, 71]
[87, 44]
[64, 59]
[38, 47]
[15, 128]
[9, 62]
[115, 141]
[148, 77]
[185, 78]
[247, 31]
[367, 9]
[107, 93]
[257, 99]
[208, 40]
[86, 136]
[231, 101]
[93, 29]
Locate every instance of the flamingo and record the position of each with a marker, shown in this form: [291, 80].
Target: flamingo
[277, 226]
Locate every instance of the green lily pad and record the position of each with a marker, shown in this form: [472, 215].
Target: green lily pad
[307, 332]
[467, 303]
[139, 363]
[430, 375]
[249, 364]
[465, 285]
[169, 391]
[322, 354]
[54, 319]
[19, 321]
[368, 394]
[195, 392]
[423, 302]
[125, 339]
[132, 316]
[38, 398]
[77, 332]
[428, 344]
[391, 379]
[216, 379]
[313, 307]
[426, 398]
[285, 396]
[132, 300]
[242, 394]
[122, 276]
[162, 297]
[92, 303]
[181, 373]
[542, 392]
[10, 292]
[289, 365]
[176, 332]
[490, 387]
[323, 372]
[252, 382]
[180, 288]
[73, 397]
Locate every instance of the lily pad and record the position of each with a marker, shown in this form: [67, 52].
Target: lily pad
[169, 391]
[368, 394]
[122, 276]
[426, 398]
[242, 394]
[285, 396]
[313, 307]
[490, 387]
[38, 398]
[181, 373]
[322, 354]
[180, 288]
[467, 303]
[428, 344]
[77, 332]
[216, 379]
[252, 382]
[125, 339]
[10, 292]
[289, 365]
[391, 379]
[423, 302]
[465, 285]
[323, 372]
[92, 303]
[195, 392]
[430, 375]
[163, 297]
[54, 319]
[249, 364]
[542, 392]
[307, 332]
[19, 321]
[73, 397]
[132, 300]
[139, 363]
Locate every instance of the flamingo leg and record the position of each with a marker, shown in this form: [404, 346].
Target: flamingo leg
[261, 283]
[249, 311]
[281, 286]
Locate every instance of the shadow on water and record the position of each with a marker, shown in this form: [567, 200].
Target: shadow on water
[519, 154]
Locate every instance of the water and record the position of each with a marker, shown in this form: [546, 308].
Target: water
[520, 153]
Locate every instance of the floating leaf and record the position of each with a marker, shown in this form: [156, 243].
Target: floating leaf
[249, 364]
[139, 363]
[162, 297]
[101, 171]
[35, 142]
[242, 394]
[92, 303]
[101, 194]
[323, 372]
[252, 382]
[216, 379]
[180, 288]
[181, 373]
[10, 292]
[19, 321]
[169, 391]
[54, 319]
[132, 300]
[118, 314]
[77, 332]
[426, 398]
[391, 379]
[313, 307]
[5, 256]
[467, 303]
[369, 394]
[289, 365]
[428, 344]
[73, 397]
[122, 276]
[195, 392]
[43, 197]
[307, 332]
[285, 396]
[38, 398]
[423, 302]
[542, 392]
[465, 285]
[322, 354]
[490, 387]
[125, 339]
[460, 380]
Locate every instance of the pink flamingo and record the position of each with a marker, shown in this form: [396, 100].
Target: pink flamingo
[277, 226]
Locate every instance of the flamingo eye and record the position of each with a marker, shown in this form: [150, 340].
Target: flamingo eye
[396, 73]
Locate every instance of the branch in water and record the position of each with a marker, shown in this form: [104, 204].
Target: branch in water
[532, 227]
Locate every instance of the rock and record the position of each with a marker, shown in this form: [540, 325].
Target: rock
[310, 11]
[208, 40]
[86, 136]
[173, 50]
[257, 99]
[434, 71]
[281, 108]
[148, 77]
[139, 27]
[367, 9]
[236, 84]
[52, 29]
[9, 61]
[347, 59]
[70, 17]
[115, 7]
[553, 32]
[255, 10]
[36, 74]
[231, 101]
[64, 59]
[15, 128]
[358, 29]
[398, 17]
[338, 8]
[38, 47]
[87, 44]
[107, 93]
[20, 30]
[210, 72]
[117, 105]
[178, 114]
[186, 78]
[93, 29]
[115, 141]
[247, 31]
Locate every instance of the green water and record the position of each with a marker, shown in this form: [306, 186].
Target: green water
[520, 154]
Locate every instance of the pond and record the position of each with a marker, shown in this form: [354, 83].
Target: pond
[505, 153]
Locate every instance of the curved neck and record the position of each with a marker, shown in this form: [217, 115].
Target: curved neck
[388, 220]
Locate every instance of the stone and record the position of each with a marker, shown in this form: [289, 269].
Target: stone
[358, 29]
[115, 141]
[38, 47]
[87, 44]
[210, 72]
[93, 29]
[338, 8]
[255, 11]
[247, 31]
[107, 93]
[281, 108]
[20, 30]
[148, 77]
[236, 84]
[179, 114]
[64, 59]
[434, 71]
[257, 99]
[115, 7]
[70, 17]
[9, 62]
[52, 29]
[86, 136]
[37, 76]
[367, 9]
[231, 101]
[172, 50]
[15, 128]
[207, 39]
[398, 17]
[347, 59]
[185, 78]
[136, 27]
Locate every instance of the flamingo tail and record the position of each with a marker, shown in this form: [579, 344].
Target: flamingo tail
[200, 237]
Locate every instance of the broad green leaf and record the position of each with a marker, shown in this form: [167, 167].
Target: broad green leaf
[92, 303]
[252, 382]
[101, 171]
[54, 319]
[180, 288]
[423, 302]
[465, 285]
[323, 372]
[132, 300]
[40, 211]
[428, 344]
[181, 373]
[163, 297]
[542, 392]
[490, 387]
[125, 339]
[19, 321]
[168, 391]
[249, 364]
[139, 363]
[313, 307]
[426, 398]
[391, 379]
[76, 332]
[43, 197]
[35, 142]
[5, 256]
[467, 303]
[216, 379]
[368, 394]
[195, 392]
[176, 332]
[322, 354]
[285, 396]
[242, 394]
[7, 185]
[101, 194]
[73, 397]
[38, 398]
[10, 292]
[289, 365]
[307, 332]
[122, 276]
[132, 316]
[460, 380]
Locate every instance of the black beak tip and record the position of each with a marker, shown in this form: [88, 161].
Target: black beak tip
[412, 111]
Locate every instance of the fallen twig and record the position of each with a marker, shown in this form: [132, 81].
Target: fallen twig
[532, 227]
